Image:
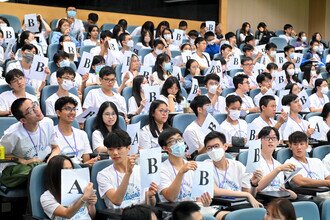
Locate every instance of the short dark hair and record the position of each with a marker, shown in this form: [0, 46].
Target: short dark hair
[297, 137]
[98, 59]
[287, 26]
[265, 131]
[183, 24]
[184, 210]
[288, 47]
[270, 46]
[62, 101]
[15, 108]
[193, 33]
[263, 76]
[271, 66]
[60, 54]
[93, 17]
[106, 71]
[325, 111]
[117, 138]
[213, 135]
[166, 134]
[247, 47]
[137, 212]
[12, 74]
[287, 99]
[198, 102]
[104, 34]
[203, 25]
[249, 38]
[261, 24]
[122, 37]
[225, 46]
[245, 59]
[229, 35]
[63, 70]
[208, 34]
[239, 79]
[157, 41]
[211, 76]
[232, 99]
[265, 100]
[29, 47]
[198, 40]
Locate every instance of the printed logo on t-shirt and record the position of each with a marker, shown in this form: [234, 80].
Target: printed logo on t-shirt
[132, 193]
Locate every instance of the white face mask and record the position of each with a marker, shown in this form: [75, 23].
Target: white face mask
[192, 41]
[130, 43]
[167, 36]
[304, 39]
[216, 154]
[313, 73]
[316, 48]
[324, 90]
[67, 84]
[186, 51]
[213, 89]
[3, 25]
[273, 53]
[234, 114]
[157, 51]
[290, 72]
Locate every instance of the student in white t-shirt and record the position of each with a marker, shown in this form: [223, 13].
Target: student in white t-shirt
[65, 79]
[265, 82]
[247, 66]
[171, 94]
[120, 183]
[127, 44]
[137, 103]
[72, 141]
[234, 127]
[96, 97]
[16, 80]
[230, 178]
[158, 48]
[102, 49]
[33, 137]
[273, 171]
[134, 66]
[167, 35]
[193, 135]
[146, 41]
[200, 56]
[192, 69]
[107, 120]
[92, 36]
[309, 76]
[270, 55]
[163, 68]
[289, 33]
[82, 208]
[325, 125]
[313, 172]
[294, 122]
[158, 116]
[212, 84]
[320, 95]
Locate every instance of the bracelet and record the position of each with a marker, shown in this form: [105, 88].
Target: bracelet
[81, 199]
[253, 184]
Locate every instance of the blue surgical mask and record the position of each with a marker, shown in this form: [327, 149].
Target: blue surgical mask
[292, 55]
[65, 63]
[72, 14]
[98, 68]
[209, 109]
[167, 67]
[179, 149]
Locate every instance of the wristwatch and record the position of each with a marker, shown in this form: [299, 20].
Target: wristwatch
[253, 184]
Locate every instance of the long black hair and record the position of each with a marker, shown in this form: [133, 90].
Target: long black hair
[169, 82]
[53, 175]
[294, 77]
[152, 123]
[188, 64]
[161, 58]
[99, 123]
[136, 89]
[317, 83]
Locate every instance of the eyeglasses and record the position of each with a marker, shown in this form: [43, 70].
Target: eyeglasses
[69, 109]
[247, 82]
[32, 109]
[209, 148]
[174, 141]
[16, 80]
[164, 111]
[109, 80]
[269, 138]
[109, 114]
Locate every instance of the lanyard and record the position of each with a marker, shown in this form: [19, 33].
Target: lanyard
[307, 170]
[321, 102]
[224, 178]
[34, 145]
[181, 188]
[302, 128]
[24, 71]
[116, 175]
[270, 170]
[271, 124]
[75, 150]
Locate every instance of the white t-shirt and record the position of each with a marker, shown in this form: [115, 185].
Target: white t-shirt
[109, 178]
[261, 123]
[76, 27]
[287, 38]
[226, 82]
[220, 105]
[149, 59]
[229, 130]
[133, 107]
[194, 136]
[260, 95]
[146, 139]
[178, 106]
[247, 101]
[89, 42]
[324, 128]
[234, 178]
[317, 102]
[96, 97]
[157, 80]
[266, 168]
[95, 51]
[202, 61]
[326, 162]
[167, 176]
[49, 205]
[7, 98]
[141, 46]
[50, 104]
[28, 145]
[75, 145]
[97, 139]
[314, 169]
[291, 126]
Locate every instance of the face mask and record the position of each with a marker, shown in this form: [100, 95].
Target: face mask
[213, 89]
[186, 51]
[65, 63]
[234, 114]
[178, 149]
[167, 66]
[209, 109]
[304, 39]
[192, 41]
[157, 51]
[324, 90]
[98, 68]
[167, 36]
[67, 84]
[316, 48]
[210, 43]
[72, 14]
[273, 53]
[130, 43]
[147, 39]
[28, 57]
[291, 55]
[313, 72]
[216, 154]
[290, 72]
[3, 25]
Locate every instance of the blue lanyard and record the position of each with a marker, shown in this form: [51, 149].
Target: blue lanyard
[224, 179]
[302, 128]
[75, 150]
[309, 169]
[272, 183]
[34, 145]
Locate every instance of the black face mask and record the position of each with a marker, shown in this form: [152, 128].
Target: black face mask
[28, 57]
